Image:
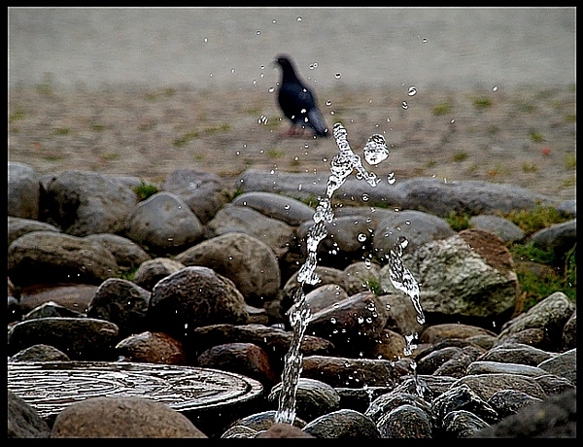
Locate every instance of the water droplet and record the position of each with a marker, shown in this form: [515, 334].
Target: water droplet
[404, 105]
[361, 237]
[495, 88]
[328, 103]
[299, 19]
[258, 32]
[271, 89]
[452, 121]
[274, 21]
[375, 150]
[365, 197]
[232, 70]
[412, 90]
[360, 320]
[333, 320]
[286, 206]
[424, 40]
[391, 178]
[337, 75]
[205, 40]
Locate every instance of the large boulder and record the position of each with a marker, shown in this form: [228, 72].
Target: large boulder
[244, 259]
[49, 257]
[86, 202]
[23, 191]
[193, 297]
[164, 224]
[291, 211]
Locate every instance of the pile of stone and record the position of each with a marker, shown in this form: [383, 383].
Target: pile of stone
[212, 285]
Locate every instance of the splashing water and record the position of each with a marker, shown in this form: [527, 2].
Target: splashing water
[341, 166]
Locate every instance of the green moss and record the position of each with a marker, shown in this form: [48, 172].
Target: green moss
[460, 156]
[145, 190]
[482, 102]
[458, 221]
[533, 220]
[443, 108]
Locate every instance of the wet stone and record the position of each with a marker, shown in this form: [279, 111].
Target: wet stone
[75, 297]
[152, 347]
[51, 309]
[405, 421]
[383, 405]
[343, 424]
[39, 353]
[153, 270]
[462, 397]
[313, 398]
[516, 353]
[507, 402]
[23, 420]
[462, 424]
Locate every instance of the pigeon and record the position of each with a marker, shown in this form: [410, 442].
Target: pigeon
[297, 101]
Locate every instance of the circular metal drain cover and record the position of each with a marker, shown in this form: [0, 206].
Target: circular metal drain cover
[49, 387]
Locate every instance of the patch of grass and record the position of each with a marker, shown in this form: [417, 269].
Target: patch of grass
[571, 118]
[212, 130]
[275, 153]
[311, 201]
[430, 164]
[109, 156]
[460, 156]
[482, 102]
[443, 108]
[186, 138]
[493, 129]
[570, 160]
[145, 190]
[17, 115]
[529, 167]
[61, 131]
[533, 220]
[458, 221]
[98, 127]
[374, 285]
[535, 136]
[127, 274]
[536, 286]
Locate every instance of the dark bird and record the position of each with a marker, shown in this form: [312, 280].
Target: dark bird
[297, 101]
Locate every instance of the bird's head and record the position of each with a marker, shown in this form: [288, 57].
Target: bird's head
[283, 61]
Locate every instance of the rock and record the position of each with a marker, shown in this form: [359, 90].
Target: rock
[552, 384]
[23, 420]
[240, 431]
[418, 227]
[122, 302]
[203, 192]
[240, 219]
[558, 238]
[401, 314]
[56, 257]
[122, 417]
[365, 271]
[501, 227]
[516, 353]
[193, 297]
[328, 275]
[554, 417]
[242, 358]
[535, 337]
[469, 274]
[164, 224]
[86, 202]
[283, 431]
[462, 424]
[563, 365]
[568, 207]
[322, 297]
[274, 341]
[14, 312]
[429, 363]
[152, 347]
[288, 210]
[486, 385]
[18, 226]
[458, 364]
[472, 197]
[386, 403]
[550, 315]
[313, 398]
[438, 332]
[351, 372]
[462, 397]
[483, 367]
[264, 420]
[127, 254]
[405, 421]
[78, 338]
[245, 260]
[75, 297]
[351, 324]
[343, 424]
[389, 345]
[51, 309]
[570, 333]
[23, 191]
[40, 353]
[153, 270]
[349, 239]
[508, 402]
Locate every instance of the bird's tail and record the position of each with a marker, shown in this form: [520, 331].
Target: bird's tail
[316, 122]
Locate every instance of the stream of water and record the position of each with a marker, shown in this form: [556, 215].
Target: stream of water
[341, 167]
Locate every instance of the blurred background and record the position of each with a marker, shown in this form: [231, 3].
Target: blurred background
[210, 47]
